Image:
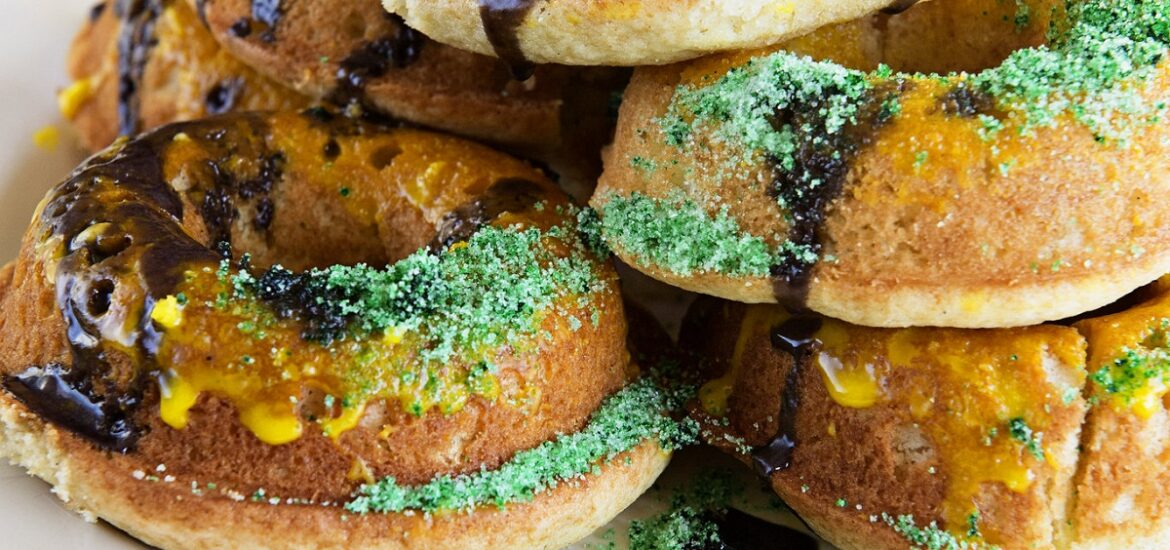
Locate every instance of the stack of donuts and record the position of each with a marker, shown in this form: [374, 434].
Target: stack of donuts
[283, 305]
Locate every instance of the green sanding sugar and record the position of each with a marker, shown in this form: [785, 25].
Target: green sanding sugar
[488, 293]
[1092, 70]
[930, 537]
[743, 104]
[678, 235]
[1133, 371]
[690, 520]
[625, 420]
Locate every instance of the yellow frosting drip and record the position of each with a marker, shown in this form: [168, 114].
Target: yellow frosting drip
[714, 394]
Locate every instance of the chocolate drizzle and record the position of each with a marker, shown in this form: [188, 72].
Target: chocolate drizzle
[821, 165]
[118, 227]
[501, 21]
[506, 195]
[135, 42]
[372, 60]
[797, 338]
[899, 6]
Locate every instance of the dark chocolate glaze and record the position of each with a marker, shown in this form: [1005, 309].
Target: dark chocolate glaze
[372, 60]
[506, 195]
[242, 28]
[740, 531]
[796, 338]
[119, 225]
[135, 42]
[501, 20]
[268, 14]
[62, 397]
[899, 6]
[223, 96]
[825, 160]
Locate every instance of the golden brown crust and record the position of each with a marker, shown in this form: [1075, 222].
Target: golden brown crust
[926, 429]
[434, 85]
[384, 194]
[933, 227]
[631, 32]
[1099, 485]
[182, 70]
[168, 514]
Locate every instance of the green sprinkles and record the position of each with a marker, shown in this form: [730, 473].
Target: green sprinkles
[625, 420]
[1133, 371]
[452, 301]
[930, 537]
[1020, 431]
[677, 235]
[689, 522]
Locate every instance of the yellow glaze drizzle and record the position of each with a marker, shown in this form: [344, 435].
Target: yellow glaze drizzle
[1129, 356]
[714, 394]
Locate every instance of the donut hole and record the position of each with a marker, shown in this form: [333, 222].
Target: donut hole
[100, 297]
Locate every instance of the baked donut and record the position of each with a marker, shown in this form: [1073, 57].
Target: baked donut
[626, 32]
[1006, 197]
[204, 350]
[149, 62]
[1049, 436]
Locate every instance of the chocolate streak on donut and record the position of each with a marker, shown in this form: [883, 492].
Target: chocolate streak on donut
[374, 59]
[825, 161]
[506, 195]
[797, 338]
[501, 20]
[117, 223]
[899, 6]
[134, 45]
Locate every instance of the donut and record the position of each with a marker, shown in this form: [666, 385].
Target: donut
[289, 329]
[145, 63]
[1017, 194]
[1048, 436]
[623, 33]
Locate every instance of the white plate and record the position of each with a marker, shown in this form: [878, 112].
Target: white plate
[34, 36]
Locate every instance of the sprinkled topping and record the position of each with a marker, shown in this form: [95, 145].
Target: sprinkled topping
[1139, 376]
[625, 420]
[678, 235]
[690, 520]
[930, 537]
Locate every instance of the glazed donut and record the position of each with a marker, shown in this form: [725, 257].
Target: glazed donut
[1007, 197]
[150, 62]
[1050, 436]
[204, 350]
[628, 32]
[122, 84]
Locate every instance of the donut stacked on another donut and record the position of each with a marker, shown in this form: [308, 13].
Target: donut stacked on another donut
[302, 330]
[1008, 197]
[916, 230]
[138, 64]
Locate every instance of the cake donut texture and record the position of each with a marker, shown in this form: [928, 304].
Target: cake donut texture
[289, 329]
[1047, 436]
[1005, 197]
[620, 32]
[139, 64]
